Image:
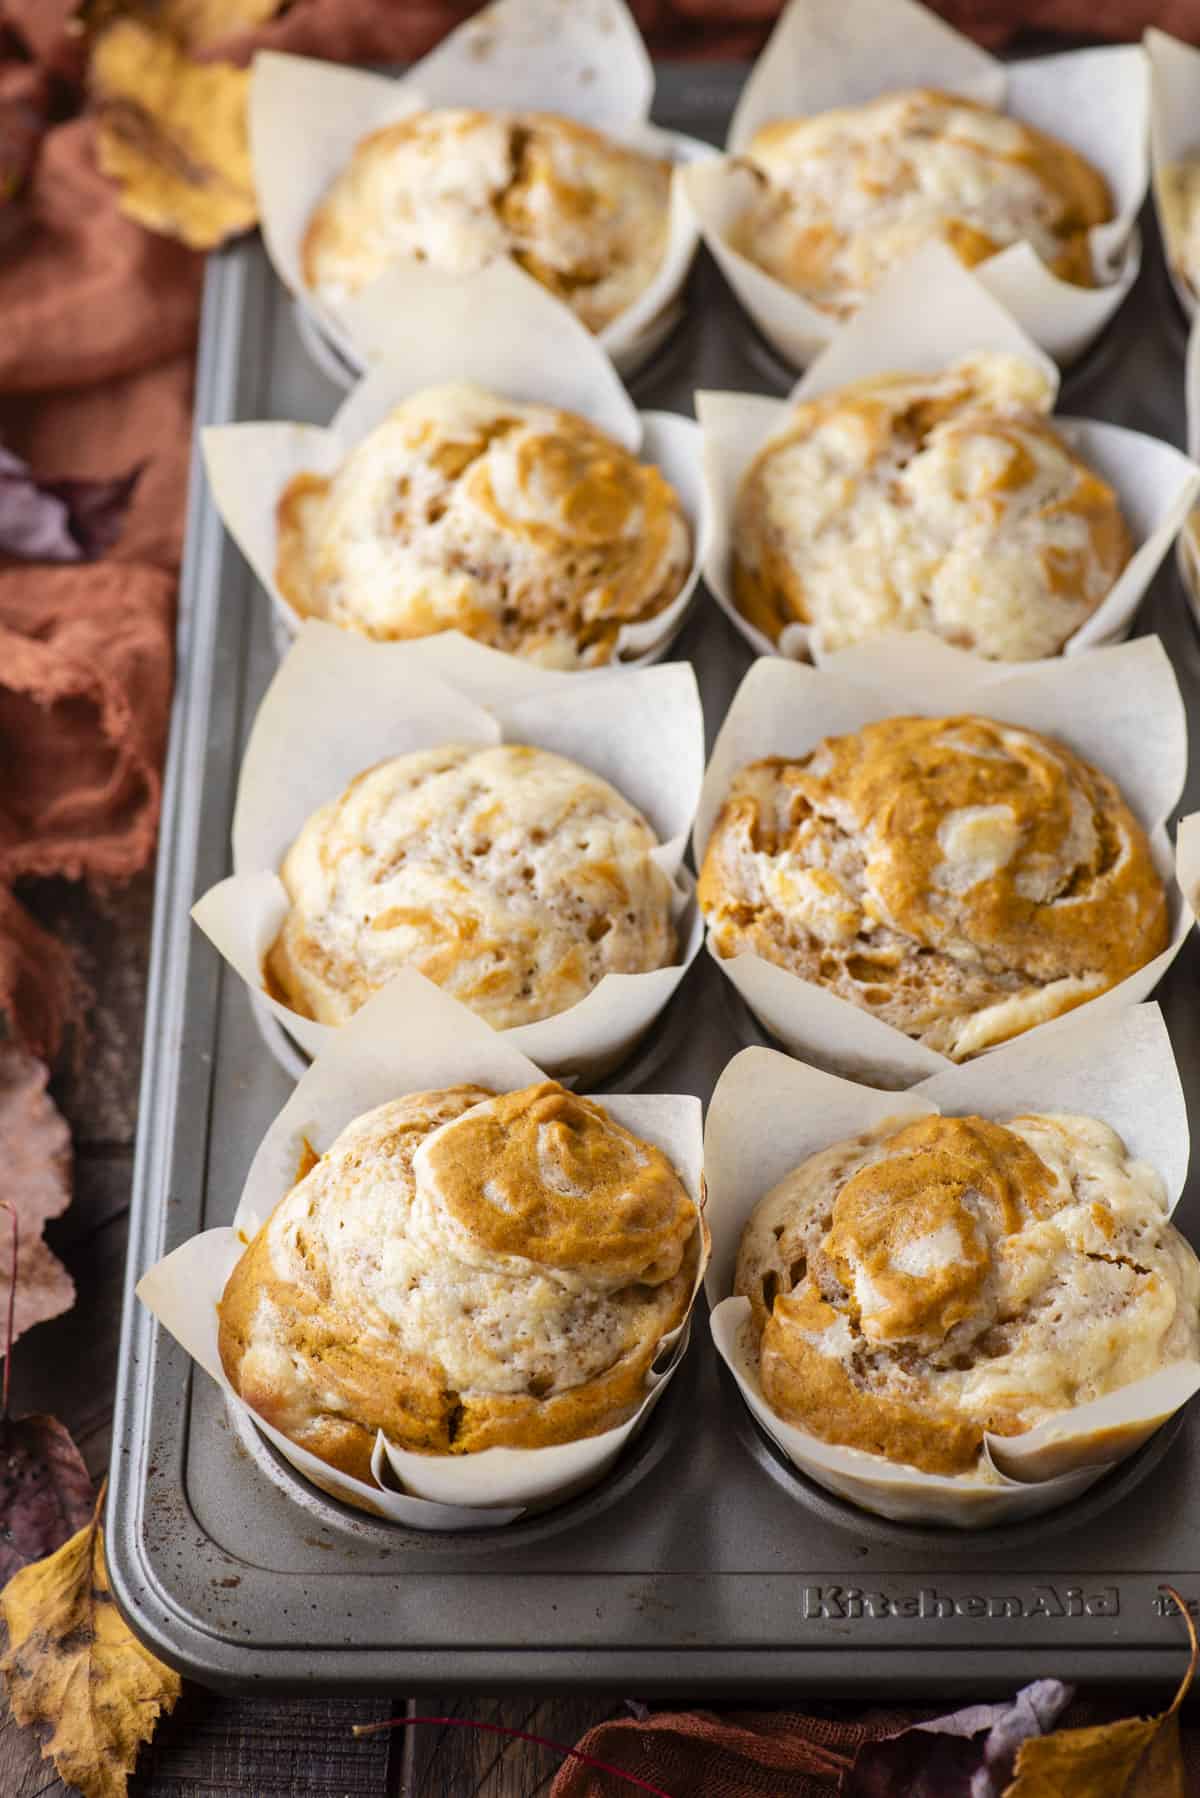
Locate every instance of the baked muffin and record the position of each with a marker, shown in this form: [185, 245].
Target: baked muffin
[525, 527]
[958, 878]
[845, 195]
[1179, 198]
[945, 503]
[585, 216]
[510, 877]
[918, 1285]
[462, 1271]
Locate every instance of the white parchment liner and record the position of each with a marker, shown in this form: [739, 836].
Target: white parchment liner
[1187, 860]
[829, 53]
[769, 1113]
[339, 704]
[501, 330]
[1174, 138]
[928, 313]
[1119, 708]
[1187, 554]
[584, 59]
[411, 1038]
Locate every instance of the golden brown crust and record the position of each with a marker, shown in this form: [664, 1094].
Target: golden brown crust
[585, 216]
[961, 879]
[848, 192]
[924, 1284]
[386, 1292]
[526, 527]
[943, 502]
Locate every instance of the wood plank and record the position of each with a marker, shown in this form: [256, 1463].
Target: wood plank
[449, 1762]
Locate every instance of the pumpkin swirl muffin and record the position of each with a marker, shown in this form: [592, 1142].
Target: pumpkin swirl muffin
[462, 1271]
[525, 527]
[945, 503]
[845, 195]
[919, 1285]
[509, 876]
[582, 214]
[960, 879]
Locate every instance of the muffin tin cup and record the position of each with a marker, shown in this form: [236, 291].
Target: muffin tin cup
[340, 704]
[769, 1113]
[1174, 138]
[412, 1038]
[502, 331]
[927, 314]
[586, 62]
[1119, 708]
[832, 53]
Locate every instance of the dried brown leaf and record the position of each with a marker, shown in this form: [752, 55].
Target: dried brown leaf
[35, 1153]
[172, 134]
[73, 1664]
[45, 1490]
[1137, 1757]
[192, 23]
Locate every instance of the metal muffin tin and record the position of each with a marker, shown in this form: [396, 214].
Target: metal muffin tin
[704, 1564]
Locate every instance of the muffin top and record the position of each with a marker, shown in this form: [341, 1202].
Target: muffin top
[945, 503]
[959, 878]
[922, 1284]
[585, 216]
[527, 528]
[847, 194]
[462, 1270]
[509, 876]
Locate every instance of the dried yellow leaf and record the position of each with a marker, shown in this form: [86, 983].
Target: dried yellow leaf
[1137, 1757]
[172, 134]
[73, 1663]
[192, 23]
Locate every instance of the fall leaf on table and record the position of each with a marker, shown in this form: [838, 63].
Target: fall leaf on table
[172, 134]
[968, 1754]
[59, 521]
[45, 1490]
[192, 23]
[35, 1153]
[1136, 1757]
[73, 1664]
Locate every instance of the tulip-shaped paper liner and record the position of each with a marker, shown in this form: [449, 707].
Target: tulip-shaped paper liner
[831, 53]
[769, 1113]
[1174, 142]
[927, 314]
[1119, 708]
[1187, 861]
[585, 61]
[340, 704]
[502, 331]
[413, 1038]
[1187, 555]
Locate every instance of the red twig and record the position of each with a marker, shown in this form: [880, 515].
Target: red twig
[6, 1205]
[520, 1735]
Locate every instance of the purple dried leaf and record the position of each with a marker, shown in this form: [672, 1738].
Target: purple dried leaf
[967, 1754]
[59, 521]
[96, 509]
[45, 1491]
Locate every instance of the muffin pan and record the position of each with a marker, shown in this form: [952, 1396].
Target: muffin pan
[703, 1565]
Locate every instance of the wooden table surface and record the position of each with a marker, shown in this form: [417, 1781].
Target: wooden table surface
[254, 1747]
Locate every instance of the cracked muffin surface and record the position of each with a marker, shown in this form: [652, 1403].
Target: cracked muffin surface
[946, 502]
[924, 1283]
[845, 195]
[511, 877]
[581, 213]
[525, 527]
[462, 1270]
[958, 878]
